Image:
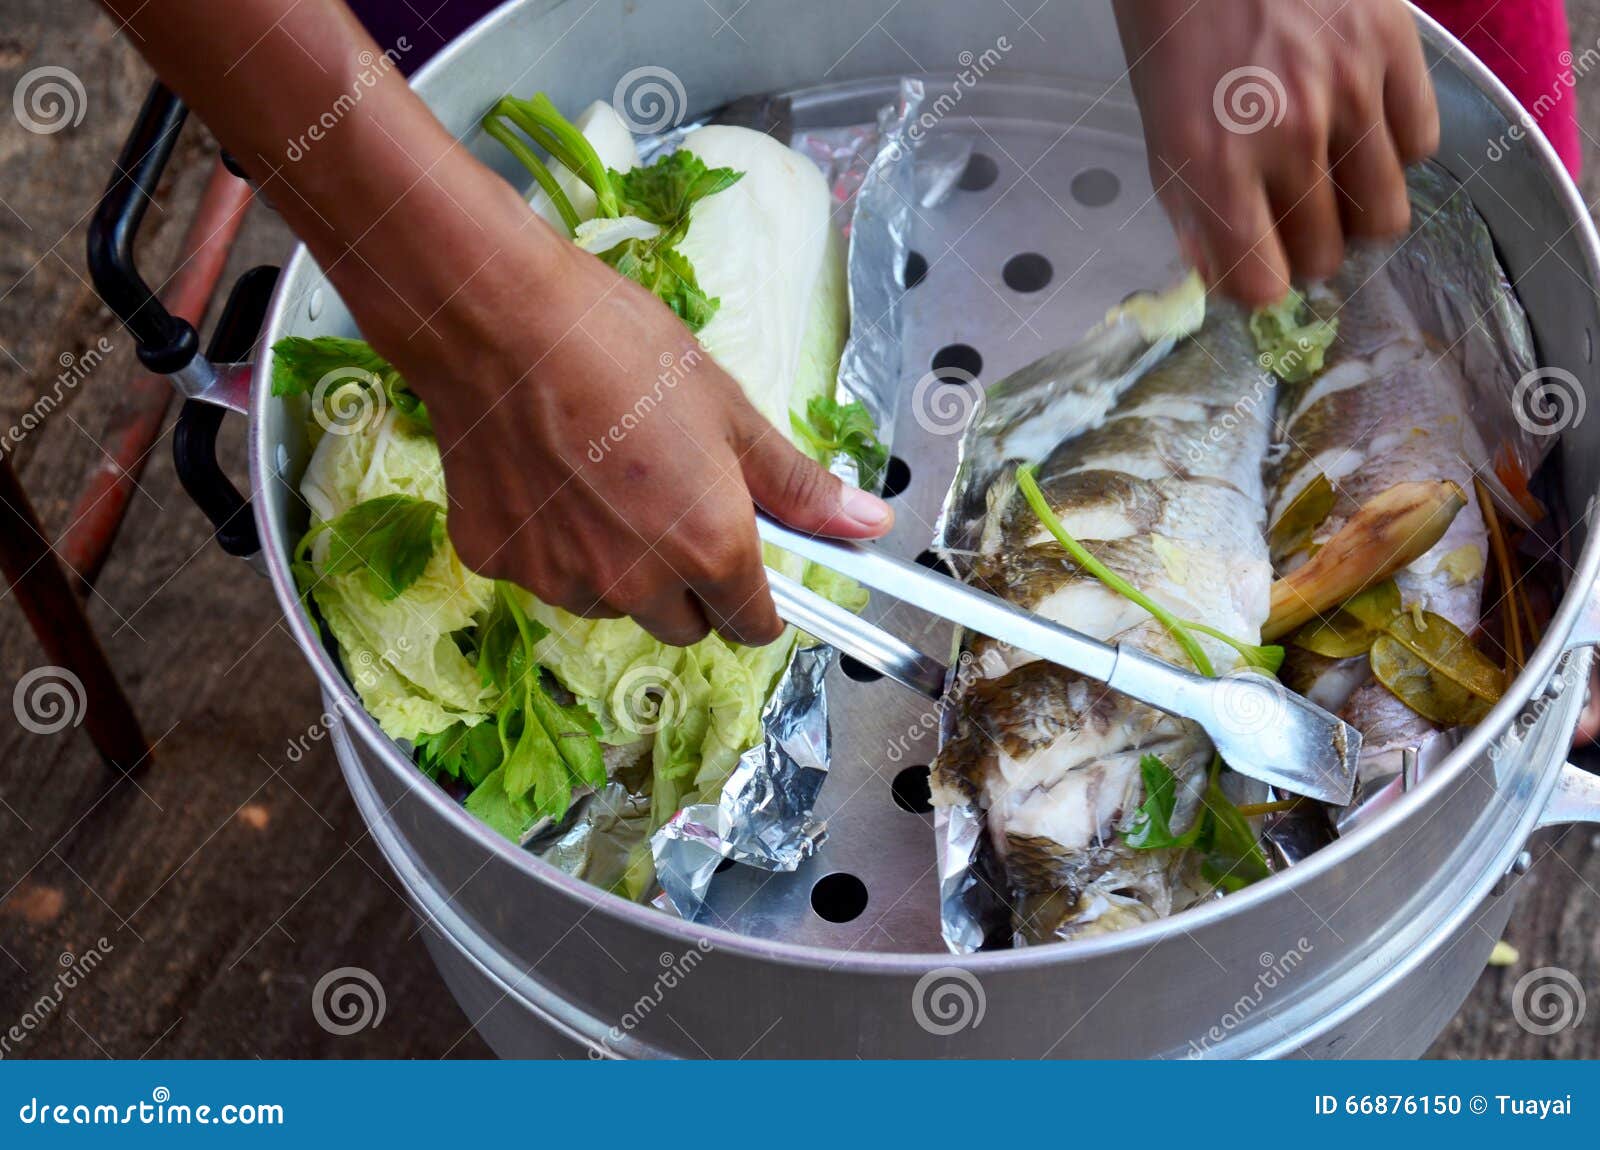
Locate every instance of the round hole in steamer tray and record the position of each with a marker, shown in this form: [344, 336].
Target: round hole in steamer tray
[912, 791]
[958, 363]
[1028, 272]
[916, 269]
[854, 669]
[839, 897]
[896, 477]
[981, 171]
[934, 562]
[1095, 187]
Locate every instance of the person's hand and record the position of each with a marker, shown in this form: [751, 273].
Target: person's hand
[594, 453]
[598, 457]
[1277, 130]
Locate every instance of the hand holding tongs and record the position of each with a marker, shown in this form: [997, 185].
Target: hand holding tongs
[1300, 747]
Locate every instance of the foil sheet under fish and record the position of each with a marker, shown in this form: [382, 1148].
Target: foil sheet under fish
[1036, 774]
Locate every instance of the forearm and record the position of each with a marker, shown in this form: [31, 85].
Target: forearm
[352, 159]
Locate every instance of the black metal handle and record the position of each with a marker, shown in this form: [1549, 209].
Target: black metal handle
[194, 439]
[166, 343]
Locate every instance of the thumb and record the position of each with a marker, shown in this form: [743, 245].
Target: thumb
[794, 490]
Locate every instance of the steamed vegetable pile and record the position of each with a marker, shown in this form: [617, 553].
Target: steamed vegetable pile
[514, 704]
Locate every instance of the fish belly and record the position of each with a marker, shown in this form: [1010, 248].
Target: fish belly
[1167, 492]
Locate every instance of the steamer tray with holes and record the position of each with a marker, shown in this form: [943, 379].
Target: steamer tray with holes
[1376, 939]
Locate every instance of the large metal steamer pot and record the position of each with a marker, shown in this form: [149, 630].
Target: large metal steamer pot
[1365, 948]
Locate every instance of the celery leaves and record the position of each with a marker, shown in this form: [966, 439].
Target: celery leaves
[300, 365]
[388, 539]
[831, 428]
[662, 194]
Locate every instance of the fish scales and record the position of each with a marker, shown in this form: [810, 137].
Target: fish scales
[1389, 407]
[1167, 492]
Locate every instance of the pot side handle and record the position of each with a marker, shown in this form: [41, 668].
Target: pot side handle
[194, 439]
[168, 345]
[1576, 799]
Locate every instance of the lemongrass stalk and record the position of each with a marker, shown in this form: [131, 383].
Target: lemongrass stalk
[1389, 531]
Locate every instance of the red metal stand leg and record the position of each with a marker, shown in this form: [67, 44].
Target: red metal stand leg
[35, 579]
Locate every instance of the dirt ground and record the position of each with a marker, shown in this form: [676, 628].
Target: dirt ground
[228, 876]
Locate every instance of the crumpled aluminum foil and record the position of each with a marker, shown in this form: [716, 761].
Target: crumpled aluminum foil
[1449, 275]
[764, 814]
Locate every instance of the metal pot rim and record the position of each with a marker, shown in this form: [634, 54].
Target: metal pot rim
[1411, 806]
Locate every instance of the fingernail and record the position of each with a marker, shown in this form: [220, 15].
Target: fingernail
[864, 508]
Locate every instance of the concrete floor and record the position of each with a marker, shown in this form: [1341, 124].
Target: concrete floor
[230, 876]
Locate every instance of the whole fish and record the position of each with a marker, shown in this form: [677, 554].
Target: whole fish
[1389, 407]
[1167, 492]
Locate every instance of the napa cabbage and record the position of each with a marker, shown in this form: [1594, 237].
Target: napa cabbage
[502, 694]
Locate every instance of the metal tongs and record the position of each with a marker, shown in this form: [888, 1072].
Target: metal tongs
[1260, 728]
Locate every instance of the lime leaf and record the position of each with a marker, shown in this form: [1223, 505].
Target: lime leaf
[1433, 696]
[1448, 651]
[1305, 513]
[1352, 629]
[1233, 858]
